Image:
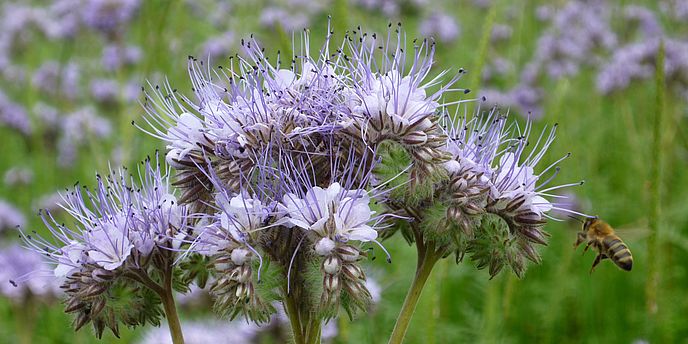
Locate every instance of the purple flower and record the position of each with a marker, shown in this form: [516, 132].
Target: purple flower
[334, 213]
[206, 331]
[440, 25]
[24, 273]
[109, 15]
[14, 115]
[218, 47]
[637, 61]
[500, 33]
[104, 90]
[494, 172]
[646, 20]
[112, 221]
[10, 216]
[49, 202]
[76, 129]
[117, 56]
[234, 227]
[56, 79]
[48, 115]
[275, 16]
[524, 98]
[518, 192]
[678, 9]
[579, 34]
[61, 20]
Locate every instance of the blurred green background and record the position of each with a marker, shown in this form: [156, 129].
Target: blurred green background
[74, 69]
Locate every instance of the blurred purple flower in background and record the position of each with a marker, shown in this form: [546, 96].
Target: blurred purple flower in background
[645, 19]
[440, 25]
[77, 128]
[218, 47]
[105, 90]
[18, 176]
[18, 263]
[578, 34]
[14, 115]
[116, 56]
[206, 331]
[10, 216]
[636, 61]
[50, 202]
[48, 115]
[678, 9]
[108, 15]
[58, 79]
[500, 33]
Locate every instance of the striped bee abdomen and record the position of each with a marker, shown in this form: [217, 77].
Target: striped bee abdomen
[618, 252]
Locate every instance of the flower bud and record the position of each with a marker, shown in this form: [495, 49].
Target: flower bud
[240, 289]
[415, 138]
[97, 306]
[353, 271]
[349, 253]
[331, 265]
[324, 246]
[241, 274]
[94, 290]
[240, 256]
[221, 266]
[331, 283]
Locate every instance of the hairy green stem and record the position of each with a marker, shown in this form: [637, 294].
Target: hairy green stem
[313, 332]
[172, 318]
[426, 261]
[170, 308]
[294, 319]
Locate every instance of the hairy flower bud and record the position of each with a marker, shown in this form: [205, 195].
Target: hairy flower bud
[240, 256]
[349, 253]
[331, 265]
[324, 246]
[332, 283]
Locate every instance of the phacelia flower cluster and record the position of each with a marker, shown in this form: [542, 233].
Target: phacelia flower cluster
[125, 236]
[290, 174]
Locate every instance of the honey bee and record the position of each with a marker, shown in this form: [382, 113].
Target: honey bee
[601, 237]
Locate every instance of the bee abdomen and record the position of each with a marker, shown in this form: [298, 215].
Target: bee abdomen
[618, 252]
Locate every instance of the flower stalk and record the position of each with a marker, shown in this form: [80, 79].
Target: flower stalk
[427, 258]
[294, 319]
[172, 316]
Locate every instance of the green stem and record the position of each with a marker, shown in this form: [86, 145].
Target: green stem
[313, 332]
[426, 261]
[171, 310]
[655, 195]
[172, 318]
[294, 319]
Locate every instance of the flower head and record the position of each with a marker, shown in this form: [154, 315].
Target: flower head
[112, 220]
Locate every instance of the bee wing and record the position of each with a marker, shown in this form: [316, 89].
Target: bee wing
[633, 233]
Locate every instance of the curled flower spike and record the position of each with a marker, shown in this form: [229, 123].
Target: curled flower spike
[230, 236]
[333, 218]
[390, 101]
[473, 145]
[121, 230]
[520, 198]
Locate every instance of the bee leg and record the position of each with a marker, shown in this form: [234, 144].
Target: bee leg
[587, 247]
[579, 239]
[598, 259]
